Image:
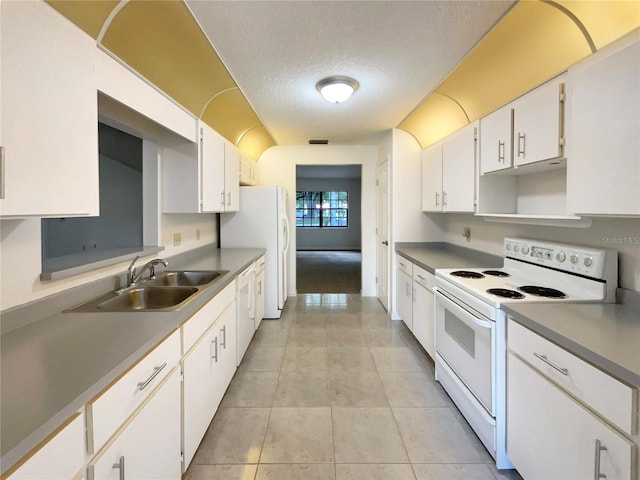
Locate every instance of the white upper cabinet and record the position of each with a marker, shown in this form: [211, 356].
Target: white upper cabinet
[458, 170]
[231, 178]
[49, 114]
[528, 130]
[448, 173]
[432, 179]
[202, 177]
[248, 170]
[603, 172]
[538, 123]
[495, 140]
[213, 177]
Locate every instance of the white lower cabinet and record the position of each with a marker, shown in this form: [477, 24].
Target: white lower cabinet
[60, 458]
[415, 302]
[423, 305]
[148, 444]
[550, 435]
[404, 291]
[107, 412]
[259, 292]
[208, 368]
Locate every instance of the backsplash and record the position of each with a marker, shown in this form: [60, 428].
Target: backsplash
[621, 234]
[20, 255]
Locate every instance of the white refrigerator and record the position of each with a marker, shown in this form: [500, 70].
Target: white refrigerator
[262, 223]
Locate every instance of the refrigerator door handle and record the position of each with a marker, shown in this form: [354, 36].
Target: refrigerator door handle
[286, 233]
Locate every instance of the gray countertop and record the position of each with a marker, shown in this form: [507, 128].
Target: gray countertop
[51, 367]
[433, 255]
[604, 334]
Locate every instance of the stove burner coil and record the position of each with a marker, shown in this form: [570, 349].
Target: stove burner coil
[504, 292]
[542, 291]
[496, 273]
[466, 274]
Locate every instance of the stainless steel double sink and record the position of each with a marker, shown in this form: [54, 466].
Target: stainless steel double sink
[168, 291]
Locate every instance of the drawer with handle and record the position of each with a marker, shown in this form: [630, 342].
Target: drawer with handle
[612, 399]
[109, 409]
[424, 278]
[404, 265]
[200, 322]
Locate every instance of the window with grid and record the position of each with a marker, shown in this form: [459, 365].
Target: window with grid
[322, 209]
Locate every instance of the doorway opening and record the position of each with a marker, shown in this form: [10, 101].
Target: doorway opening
[328, 228]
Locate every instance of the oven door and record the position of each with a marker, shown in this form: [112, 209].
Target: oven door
[465, 339]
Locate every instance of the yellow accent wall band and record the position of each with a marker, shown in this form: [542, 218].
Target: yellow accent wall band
[533, 42]
[89, 16]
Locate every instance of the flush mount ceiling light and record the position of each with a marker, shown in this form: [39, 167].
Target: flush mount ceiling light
[337, 89]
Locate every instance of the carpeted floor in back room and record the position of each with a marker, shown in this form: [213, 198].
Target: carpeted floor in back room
[328, 271]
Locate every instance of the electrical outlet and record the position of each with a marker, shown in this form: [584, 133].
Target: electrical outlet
[177, 239]
[197, 234]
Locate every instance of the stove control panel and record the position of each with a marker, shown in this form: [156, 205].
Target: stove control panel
[587, 261]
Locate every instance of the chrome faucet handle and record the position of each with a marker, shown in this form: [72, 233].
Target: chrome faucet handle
[131, 271]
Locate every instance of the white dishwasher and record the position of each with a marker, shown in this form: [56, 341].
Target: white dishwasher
[245, 310]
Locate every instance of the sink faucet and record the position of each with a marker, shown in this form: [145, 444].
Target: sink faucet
[133, 278]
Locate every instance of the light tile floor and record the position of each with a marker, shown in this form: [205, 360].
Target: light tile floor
[334, 390]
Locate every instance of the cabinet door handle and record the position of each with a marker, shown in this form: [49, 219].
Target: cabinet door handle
[596, 469]
[444, 199]
[414, 295]
[544, 358]
[500, 151]
[222, 198]
[120, 466]
[421, 277]
[260, 287]
[215, 350]
[437, 199]
[229, 199]
[156, 371]
[223, 331]
[521, 136]
[2, 175]
[385, 243]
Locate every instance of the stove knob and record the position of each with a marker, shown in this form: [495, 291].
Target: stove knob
[561, 257]
[525, 250]
[508, 246]
[516, 248]
[574, 259]
[588, 261]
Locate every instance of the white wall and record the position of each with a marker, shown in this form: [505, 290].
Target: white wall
[21, 260]
[408, 223]
[277, 166]
[348, 238]
[622, 234]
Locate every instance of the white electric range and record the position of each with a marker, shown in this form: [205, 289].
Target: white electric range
[471, 325]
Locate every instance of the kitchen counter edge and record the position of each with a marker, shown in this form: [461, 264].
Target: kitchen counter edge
[235, 260]
[434, 255]
[605, 335]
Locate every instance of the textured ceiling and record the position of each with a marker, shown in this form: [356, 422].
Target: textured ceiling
[249, 68]
[397, 50]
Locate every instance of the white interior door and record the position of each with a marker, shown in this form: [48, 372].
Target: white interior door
[382, 234]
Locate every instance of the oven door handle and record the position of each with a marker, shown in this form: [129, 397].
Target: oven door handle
[462, 313]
